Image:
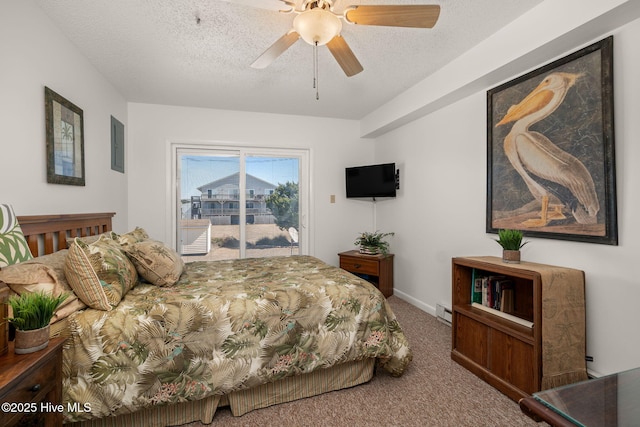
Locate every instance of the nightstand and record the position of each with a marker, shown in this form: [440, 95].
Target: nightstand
[31, 386]
[376, 269]
[4, 324]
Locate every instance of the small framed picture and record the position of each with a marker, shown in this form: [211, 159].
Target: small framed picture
[65, 140]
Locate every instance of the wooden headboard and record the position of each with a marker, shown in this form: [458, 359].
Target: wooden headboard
[46, 234]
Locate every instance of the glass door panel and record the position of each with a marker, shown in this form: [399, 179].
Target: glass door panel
[272, 206]
[209, 223]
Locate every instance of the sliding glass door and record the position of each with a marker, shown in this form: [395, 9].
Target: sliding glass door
[238, 203]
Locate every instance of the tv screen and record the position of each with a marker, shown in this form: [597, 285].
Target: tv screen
[371, 181]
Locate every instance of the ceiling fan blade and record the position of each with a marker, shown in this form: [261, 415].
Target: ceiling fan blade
[276, 49]
[275, 5]
[415, 16]
[344, 55]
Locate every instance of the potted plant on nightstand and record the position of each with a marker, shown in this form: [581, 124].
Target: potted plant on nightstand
[511, 242]
[373, 243]
[32, 313]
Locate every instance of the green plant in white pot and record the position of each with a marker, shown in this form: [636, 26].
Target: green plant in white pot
[373, 242]
[511, 242]
[32, 313]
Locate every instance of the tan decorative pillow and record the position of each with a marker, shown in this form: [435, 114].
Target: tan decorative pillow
[43, 274]
[135, 236]
[100, 273]
[156, 262]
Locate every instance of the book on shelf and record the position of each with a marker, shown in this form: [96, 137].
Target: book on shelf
[506, 296]
[504, 315]
[491, 287]
[486, 292]
[476, 288]
[499, 286]
[492, 291]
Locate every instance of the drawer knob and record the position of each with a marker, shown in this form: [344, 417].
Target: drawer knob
[357, 265]
[36, 387]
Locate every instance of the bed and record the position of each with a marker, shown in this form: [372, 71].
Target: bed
[241, 333]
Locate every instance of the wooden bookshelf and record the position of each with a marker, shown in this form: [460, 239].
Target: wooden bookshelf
[507, 350]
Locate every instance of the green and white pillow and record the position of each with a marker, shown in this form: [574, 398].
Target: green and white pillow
[13, 245]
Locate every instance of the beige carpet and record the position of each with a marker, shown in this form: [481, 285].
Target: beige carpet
[434, 391]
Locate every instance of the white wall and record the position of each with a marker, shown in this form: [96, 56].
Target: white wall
[34, 54]
[334, 145]
[440, 209]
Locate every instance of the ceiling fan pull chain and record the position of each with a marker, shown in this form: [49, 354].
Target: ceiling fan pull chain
[315, 70]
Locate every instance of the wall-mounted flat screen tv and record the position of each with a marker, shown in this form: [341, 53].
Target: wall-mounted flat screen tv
[371, 181]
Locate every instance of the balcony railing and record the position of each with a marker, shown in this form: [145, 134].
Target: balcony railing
[235, 211]
[231, 197]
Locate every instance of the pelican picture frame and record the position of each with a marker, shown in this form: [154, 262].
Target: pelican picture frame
[550, 150]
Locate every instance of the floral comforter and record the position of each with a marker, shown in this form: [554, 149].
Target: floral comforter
[225, 326]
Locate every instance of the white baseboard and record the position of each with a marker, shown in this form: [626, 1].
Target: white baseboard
[413, 301]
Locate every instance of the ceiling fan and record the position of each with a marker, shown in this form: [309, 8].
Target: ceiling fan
[318, 24]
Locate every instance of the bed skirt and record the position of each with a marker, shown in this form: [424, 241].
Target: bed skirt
[240, 402]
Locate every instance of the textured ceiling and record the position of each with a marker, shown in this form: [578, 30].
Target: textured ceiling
[155, 51]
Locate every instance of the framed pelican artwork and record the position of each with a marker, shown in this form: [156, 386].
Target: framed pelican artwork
[550, 150]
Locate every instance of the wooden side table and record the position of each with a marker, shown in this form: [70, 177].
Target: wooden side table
[376, 269]
[31, 386]
[4, 324]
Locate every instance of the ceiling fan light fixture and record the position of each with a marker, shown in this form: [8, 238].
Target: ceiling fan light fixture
[317, 26]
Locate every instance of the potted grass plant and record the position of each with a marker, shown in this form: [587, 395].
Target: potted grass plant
[32, 313]
[373, 243]
[511, 242]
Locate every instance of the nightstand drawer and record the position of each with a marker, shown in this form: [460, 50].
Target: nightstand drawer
[33, 385]
[30, 380]
[360, 265]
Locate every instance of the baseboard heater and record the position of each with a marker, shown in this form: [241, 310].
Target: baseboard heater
[443, 313]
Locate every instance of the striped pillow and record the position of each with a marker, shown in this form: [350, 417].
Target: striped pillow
[13, 245]
[99, 273]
